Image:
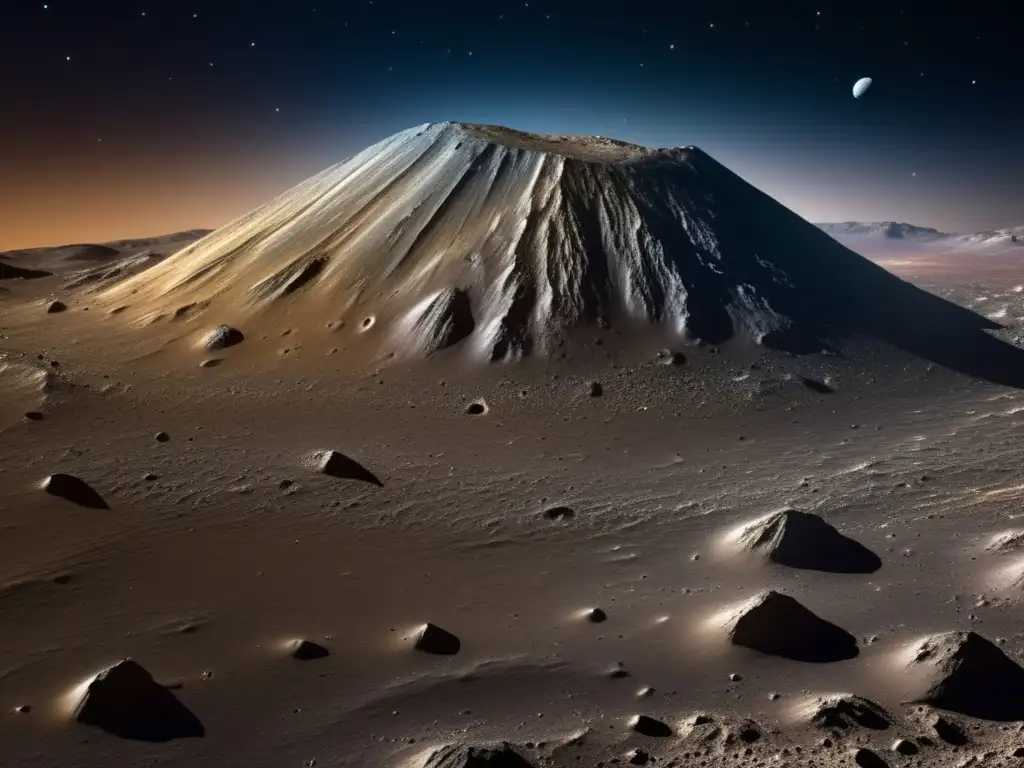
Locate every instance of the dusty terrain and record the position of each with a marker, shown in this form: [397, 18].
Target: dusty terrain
[607, 544]
[221, 544]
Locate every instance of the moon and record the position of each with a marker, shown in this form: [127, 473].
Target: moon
[861, 86]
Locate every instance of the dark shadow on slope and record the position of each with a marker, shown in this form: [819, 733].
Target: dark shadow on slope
[11, 272]
[809, 277]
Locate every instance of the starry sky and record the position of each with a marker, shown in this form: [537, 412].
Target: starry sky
[125, 119]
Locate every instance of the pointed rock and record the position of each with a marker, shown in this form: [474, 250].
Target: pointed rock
[648, 726]
[844, 711]
[964, 672]
[307, 650]
[73, 489]
[432, 639]
[342, 467]
[222, 337]
[804, 540]
[126, 701]
[502, 755]
[777, 624]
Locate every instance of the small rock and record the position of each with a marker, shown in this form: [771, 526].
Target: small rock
[33, 416]
[639, 757]
[306, 650]
[734, 678]
[648, 726]
[24, 709]
[55, 307]
[162, 437]
[619, 673]
[71, 488]
[432, 639]
[597, 615]
[211, 362]
[222, 337]
[341, 466]
[596, 390]
[669, 357]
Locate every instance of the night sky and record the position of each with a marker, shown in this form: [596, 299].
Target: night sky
[122, 119]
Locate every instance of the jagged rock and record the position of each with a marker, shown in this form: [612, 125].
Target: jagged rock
[777, 624]
[222, 337]
[55, 307]
[804, 540]
[307, 650]
[432, 639]
[502, 755]
[843, 711]
[648, 726]
[126, 701]
[71, 488]
[968, 674]
[341, 466]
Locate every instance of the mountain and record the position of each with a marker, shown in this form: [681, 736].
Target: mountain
[502, 243]
[871, 234]
[888, 230]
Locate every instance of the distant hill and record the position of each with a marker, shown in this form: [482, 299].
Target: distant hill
[894, 234]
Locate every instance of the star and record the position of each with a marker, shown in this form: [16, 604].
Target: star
[672, 46]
